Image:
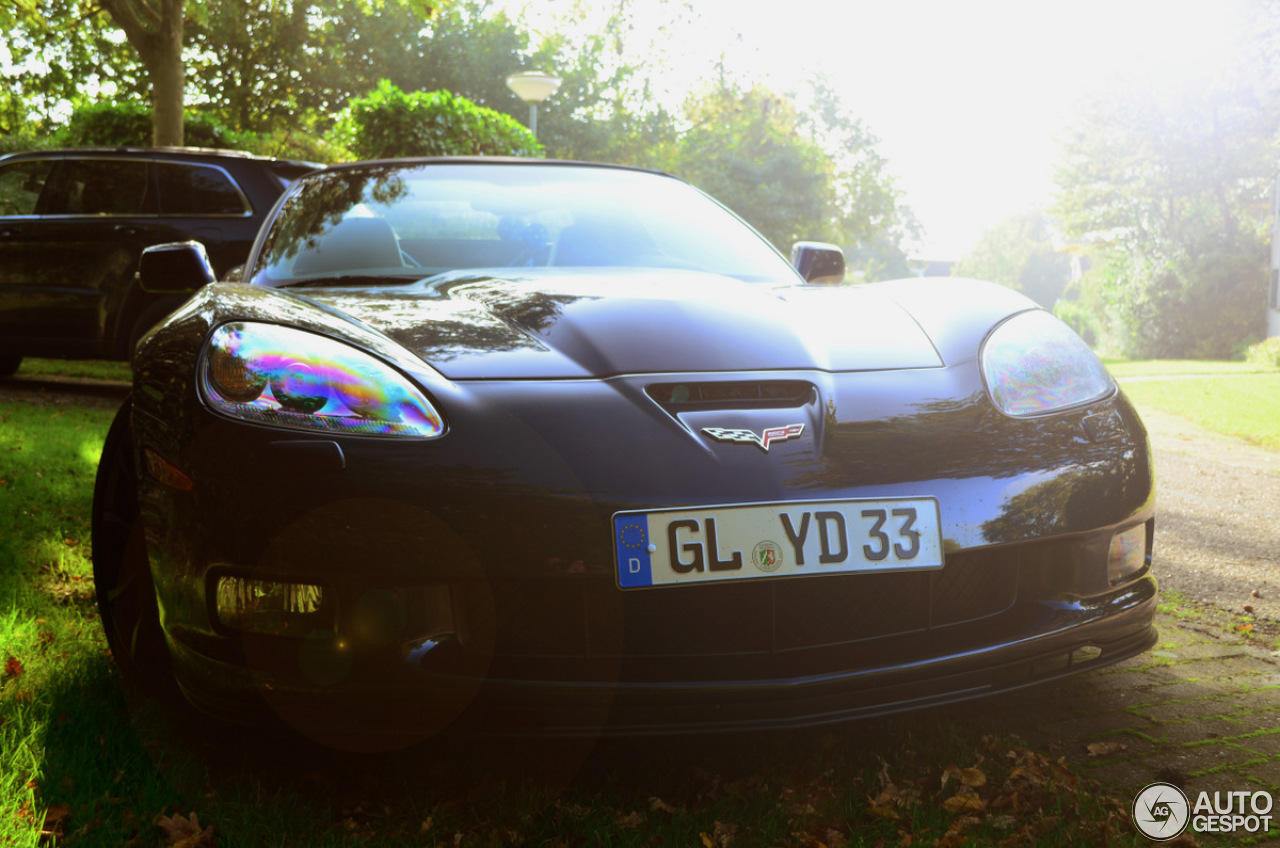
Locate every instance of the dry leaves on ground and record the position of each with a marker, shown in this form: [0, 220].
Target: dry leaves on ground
[180, 832]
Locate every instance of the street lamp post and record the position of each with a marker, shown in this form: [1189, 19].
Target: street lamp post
[533, 87]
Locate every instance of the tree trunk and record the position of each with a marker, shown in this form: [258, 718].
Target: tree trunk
[168, 79]
[154, 29]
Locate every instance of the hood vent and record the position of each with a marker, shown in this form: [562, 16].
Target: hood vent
[737, 394]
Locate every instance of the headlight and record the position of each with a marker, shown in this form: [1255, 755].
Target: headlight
[290, 378]
[1034, 364]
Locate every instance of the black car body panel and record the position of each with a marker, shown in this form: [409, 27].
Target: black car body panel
[473, 579]
[73, 223]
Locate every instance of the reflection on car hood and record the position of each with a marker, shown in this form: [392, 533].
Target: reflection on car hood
[588, 324]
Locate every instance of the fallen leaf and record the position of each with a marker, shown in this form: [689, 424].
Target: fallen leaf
[882, 812]
[1105, 749]
[55, 818]
[1002, 822]
[630, 821]
[182, 832]
[973, 777]
[965, 801]
[12, 667]
[656, 803]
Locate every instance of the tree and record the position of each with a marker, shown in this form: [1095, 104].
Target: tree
[154, 28]
[1019, 253]
[744, 149]
[57, 51]
[796, 173]
[1166, 190]
[872, 220]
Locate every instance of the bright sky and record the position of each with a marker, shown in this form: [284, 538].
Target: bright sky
[966, 97]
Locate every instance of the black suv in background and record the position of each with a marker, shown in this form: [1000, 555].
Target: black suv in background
[74, 222]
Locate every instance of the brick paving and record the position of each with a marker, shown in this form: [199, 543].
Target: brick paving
[1201, 710]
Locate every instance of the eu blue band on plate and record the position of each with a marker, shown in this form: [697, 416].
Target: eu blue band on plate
[631, 539]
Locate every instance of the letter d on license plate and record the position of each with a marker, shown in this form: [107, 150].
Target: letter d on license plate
[741, 542]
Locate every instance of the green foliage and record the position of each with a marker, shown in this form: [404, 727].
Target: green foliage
[276, 78]
[1166, 189]
[744, 150]
[389, 123]
[1207, 306]
[796, 173]
[1265, 353]
[25, 139]
[1019, 253]
[59, 52]
[129, 124]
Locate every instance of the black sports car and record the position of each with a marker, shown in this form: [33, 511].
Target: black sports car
[545, 447]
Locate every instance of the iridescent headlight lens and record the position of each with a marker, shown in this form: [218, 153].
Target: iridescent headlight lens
[285, 377]
[1035, 364]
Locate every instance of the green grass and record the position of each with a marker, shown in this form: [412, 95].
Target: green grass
[78, 368]
[1243, 405]
[82, 765]
[1124, 368]
[50, 641]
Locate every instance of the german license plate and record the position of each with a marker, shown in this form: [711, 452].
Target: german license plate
[700, 544]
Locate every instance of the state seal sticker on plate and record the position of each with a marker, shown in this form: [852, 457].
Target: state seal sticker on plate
[741, 542]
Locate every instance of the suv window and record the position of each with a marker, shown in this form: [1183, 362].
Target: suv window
[20, 186]
[97, 187]
[198, 190]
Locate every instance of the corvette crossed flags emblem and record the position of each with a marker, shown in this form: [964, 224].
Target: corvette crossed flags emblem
[762, 441]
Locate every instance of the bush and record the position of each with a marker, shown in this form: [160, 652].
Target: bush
[388, 123]
[1205, 306]
[25, 139]
[129, 125]
[1265, 353]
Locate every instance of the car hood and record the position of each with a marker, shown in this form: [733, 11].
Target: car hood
[573, 325]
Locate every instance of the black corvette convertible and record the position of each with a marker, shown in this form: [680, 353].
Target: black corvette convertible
[553, 448]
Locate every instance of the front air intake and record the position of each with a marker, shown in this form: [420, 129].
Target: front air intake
[738, 394]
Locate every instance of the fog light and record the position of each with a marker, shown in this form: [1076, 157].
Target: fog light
[1128, 554]
[270, 607]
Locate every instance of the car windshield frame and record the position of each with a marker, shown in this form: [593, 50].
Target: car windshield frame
[403, 221]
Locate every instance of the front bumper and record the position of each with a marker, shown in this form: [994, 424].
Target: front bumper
[470, 583]
[394, 694]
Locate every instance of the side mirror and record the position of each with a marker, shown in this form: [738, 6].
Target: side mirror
[819, 263]
[180, 267]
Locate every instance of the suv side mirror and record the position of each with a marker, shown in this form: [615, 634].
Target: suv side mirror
[180, 267]
[819, 263]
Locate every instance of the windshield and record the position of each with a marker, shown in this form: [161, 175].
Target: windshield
[393, 222]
